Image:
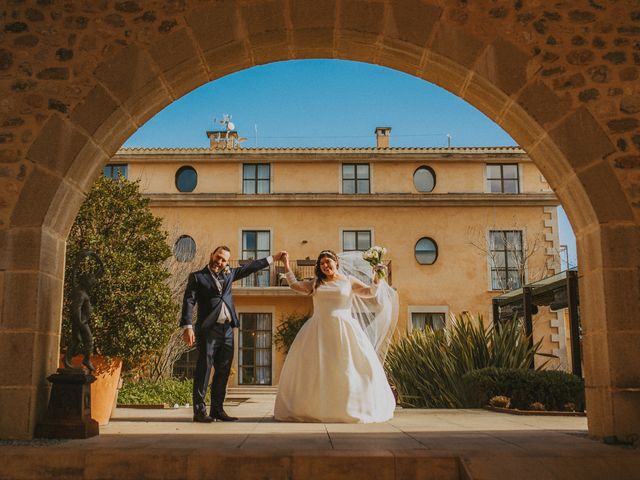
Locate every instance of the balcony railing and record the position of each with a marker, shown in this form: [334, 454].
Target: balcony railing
[274, 275]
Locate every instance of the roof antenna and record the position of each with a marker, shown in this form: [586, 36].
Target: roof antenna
[448, 140]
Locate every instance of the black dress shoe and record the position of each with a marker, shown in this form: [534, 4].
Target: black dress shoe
[222, 416]
[202, 418]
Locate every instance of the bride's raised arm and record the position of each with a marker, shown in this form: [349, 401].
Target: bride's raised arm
[302, 286]
[362, 289]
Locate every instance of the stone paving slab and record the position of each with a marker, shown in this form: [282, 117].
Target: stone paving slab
[434, 444]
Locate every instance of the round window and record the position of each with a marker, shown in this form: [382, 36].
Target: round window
[426, 251]
[184, 249]
[424, 178]
[186, 179]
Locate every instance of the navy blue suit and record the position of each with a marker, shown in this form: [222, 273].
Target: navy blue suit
[214, 340]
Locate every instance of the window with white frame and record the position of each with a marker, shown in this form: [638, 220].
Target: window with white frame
[256, 244]
[506, 259]
[423, 317]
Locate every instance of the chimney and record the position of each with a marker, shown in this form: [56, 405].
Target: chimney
[224, 139]
[382, 137]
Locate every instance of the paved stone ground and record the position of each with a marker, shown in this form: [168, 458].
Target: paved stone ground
[444, 444]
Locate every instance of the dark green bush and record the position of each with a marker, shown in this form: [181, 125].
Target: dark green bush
[287, 330]
[554, 389]
[145, 392]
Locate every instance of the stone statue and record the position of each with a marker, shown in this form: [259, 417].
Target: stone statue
[81, 309]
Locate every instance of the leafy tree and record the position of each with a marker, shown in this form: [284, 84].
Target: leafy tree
[134, 313]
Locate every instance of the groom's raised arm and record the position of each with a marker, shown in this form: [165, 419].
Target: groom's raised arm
[251, 267]
[254, 266]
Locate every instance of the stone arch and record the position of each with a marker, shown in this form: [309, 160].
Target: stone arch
[101, 72]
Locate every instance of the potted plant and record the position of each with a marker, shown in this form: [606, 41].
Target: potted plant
[133, 312]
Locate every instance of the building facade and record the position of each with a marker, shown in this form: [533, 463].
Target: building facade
[461, 225]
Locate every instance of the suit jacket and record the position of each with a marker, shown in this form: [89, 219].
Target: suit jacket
[202, 290]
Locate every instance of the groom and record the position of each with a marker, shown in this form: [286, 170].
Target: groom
[210, 288]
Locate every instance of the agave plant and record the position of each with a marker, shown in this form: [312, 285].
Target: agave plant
[427, 366]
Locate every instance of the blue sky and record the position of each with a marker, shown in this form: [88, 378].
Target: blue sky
[326, 103]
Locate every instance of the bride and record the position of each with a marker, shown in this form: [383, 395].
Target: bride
[333, 372]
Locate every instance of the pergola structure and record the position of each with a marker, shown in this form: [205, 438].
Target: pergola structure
[557, 291]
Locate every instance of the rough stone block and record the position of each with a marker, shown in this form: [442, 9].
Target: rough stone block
[14, 414]
[22, 248]
[230, 58]
[49, 301]
[129, 62]
[600, 411]
[57, 145]
[484, 95]
[173, 49]
[137, 463]
[93, 110]
[362, 16]
[215, 25]
[313, 43]
[403, 58]
[606, 195]
[445, 72]
[35, 197]
[592, 304]
[69, 465]
[148, 100]
[47, 358]
[85, 169]
[576, 204]
[542, 103]
[457, 45]
[356, 46]
[415, 465]
[312, 15]
[624, 358]
[596, 360]
[16, 349]
[626, 415]
[341, 465]
[239, 465]
[51, 256]
[620, 245]
[114, 131]
[64, 208]
[20, 301]
[581, 139]
[265, 22]
[186, 77]
[411, 21]
[504, 65]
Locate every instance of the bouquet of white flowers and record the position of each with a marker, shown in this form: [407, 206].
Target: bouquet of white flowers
[373, 257]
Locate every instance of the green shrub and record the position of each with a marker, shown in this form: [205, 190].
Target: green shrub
[169, 391]
[554, 389]
[287, 330]
[426, 367]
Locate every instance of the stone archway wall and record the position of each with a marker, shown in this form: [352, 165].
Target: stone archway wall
[78, 78]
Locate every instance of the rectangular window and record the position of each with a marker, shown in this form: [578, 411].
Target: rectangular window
[422, 320]
[503, 178]
[256, 244]
[506, 258]
[115, 171]
[356, 240]
[254, 349]
[355, 178]
[256, 178]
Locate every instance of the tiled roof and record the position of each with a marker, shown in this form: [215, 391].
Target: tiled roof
[497, 149]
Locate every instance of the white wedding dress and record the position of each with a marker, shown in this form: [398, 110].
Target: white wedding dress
[332, 373]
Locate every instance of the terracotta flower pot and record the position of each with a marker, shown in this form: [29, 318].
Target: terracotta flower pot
[104, 390]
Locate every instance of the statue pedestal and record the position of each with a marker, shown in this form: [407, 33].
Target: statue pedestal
[69, 411]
